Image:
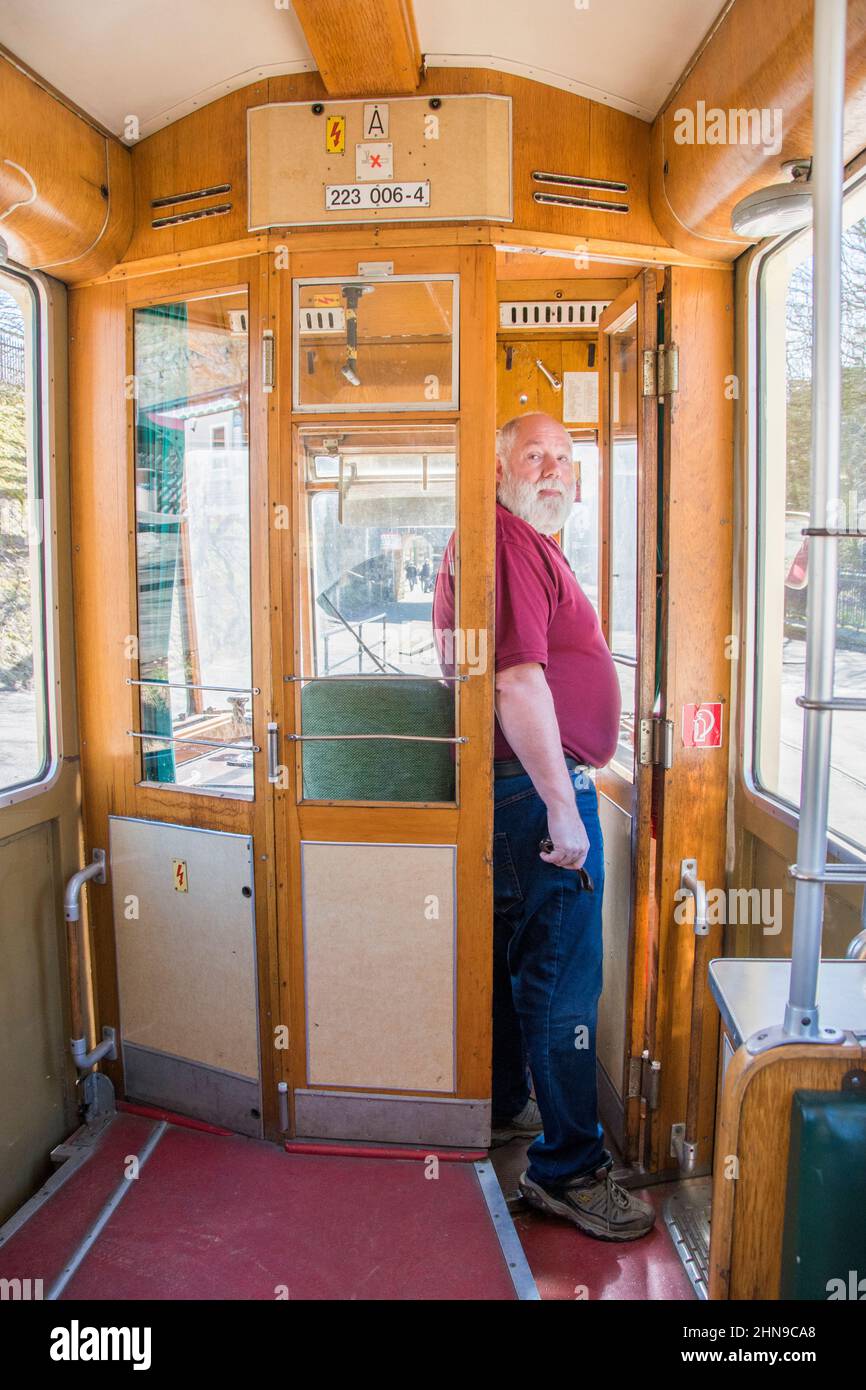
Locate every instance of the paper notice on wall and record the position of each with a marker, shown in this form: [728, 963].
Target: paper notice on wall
[580, 397]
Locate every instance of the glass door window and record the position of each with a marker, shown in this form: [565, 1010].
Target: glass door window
[378, 513]
[193, 543]
[370, 345]
[623, 525]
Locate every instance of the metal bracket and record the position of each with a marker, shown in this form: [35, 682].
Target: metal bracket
[661, 370]
[777, 1036]
[635, 1072]
[656, 742]
[686, 1154]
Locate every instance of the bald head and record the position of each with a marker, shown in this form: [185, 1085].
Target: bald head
[523, 429]
[534, 470]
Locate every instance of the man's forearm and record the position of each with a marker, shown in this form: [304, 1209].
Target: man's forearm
[526, 713]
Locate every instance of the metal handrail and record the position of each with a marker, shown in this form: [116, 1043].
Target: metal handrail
[811, 872]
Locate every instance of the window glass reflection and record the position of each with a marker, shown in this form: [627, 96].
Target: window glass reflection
[192, 534]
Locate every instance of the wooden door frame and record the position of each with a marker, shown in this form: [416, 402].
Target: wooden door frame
[640, 298]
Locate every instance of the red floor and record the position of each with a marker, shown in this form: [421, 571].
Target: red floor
[567, 1264]
[216, 1217]
[211, 1217]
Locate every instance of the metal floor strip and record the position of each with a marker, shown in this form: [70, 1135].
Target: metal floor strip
[102, 1220]
[687, 1218]
[506, 1232]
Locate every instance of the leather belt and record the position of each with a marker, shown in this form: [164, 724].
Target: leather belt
[512, 767]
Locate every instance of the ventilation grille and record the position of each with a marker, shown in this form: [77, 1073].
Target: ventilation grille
[323, 320]
[194, 195]
[551, 313]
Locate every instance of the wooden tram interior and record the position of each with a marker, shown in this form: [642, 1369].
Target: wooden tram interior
[256, 409]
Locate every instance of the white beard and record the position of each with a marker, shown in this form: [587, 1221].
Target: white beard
[520, 496]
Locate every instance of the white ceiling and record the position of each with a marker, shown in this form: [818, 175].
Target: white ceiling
[159, 59]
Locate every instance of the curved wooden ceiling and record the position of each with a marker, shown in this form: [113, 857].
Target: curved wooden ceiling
[159, 59]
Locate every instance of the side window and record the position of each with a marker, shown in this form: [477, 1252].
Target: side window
[26, 755]
[783, 486]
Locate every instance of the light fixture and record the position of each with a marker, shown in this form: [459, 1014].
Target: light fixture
[781, 207]
[348, 371]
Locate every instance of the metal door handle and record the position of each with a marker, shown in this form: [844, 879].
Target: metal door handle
[273, 752]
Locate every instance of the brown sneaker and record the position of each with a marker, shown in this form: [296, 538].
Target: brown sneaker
[596, 1204]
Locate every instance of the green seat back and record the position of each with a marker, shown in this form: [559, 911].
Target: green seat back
[378, 769]
[824, 1240]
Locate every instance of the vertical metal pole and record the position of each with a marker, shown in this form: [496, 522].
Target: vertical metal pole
[801, 1013]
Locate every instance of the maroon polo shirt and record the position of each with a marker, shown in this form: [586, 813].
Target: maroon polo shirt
[543, 615]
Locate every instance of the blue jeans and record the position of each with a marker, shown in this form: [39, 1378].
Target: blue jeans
[547, 977]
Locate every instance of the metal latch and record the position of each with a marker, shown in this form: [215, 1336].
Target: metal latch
[685, 1152]
[661, 370]
[656, 742]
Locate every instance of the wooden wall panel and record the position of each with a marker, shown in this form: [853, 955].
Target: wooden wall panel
[759, 58]
[81, 220]
[552, 130]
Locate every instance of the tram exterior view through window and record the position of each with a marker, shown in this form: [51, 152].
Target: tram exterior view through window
[433, 668]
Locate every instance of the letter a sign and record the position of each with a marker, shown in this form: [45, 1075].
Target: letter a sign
[375, 122]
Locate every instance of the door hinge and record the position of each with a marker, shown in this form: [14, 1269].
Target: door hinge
[661, 370]
[268, 363]
[644, 1079]
[656, 742]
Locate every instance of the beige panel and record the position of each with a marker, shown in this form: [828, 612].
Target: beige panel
[34, 1075]
[468, 165]
[186, 965]
[379, 965]
[616, 830]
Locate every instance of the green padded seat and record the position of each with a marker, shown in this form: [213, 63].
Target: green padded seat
[378, 769]
[824, 1241]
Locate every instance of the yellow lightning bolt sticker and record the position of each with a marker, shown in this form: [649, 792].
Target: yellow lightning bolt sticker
[335, 134]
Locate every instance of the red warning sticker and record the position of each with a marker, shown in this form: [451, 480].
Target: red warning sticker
[702, 725]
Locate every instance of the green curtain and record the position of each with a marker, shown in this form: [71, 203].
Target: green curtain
[160, 474]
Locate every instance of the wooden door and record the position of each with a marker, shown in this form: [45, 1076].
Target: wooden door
[663, 797]
[628, 497]
[170, 551]
[384, 888]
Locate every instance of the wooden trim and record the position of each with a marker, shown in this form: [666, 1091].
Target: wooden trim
[629, 255]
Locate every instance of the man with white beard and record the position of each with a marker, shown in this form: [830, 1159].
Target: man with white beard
[557, 710]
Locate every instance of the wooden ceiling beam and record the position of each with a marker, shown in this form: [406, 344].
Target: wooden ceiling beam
[363, 47]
